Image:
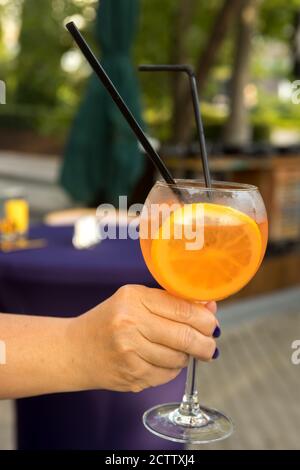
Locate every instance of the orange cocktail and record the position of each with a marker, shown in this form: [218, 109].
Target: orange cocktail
[200, 244]
[232, 248]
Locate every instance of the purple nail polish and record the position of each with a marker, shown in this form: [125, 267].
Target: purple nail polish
[217, 332]
[216, 354]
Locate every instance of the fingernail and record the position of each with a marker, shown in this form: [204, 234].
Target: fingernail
[217, 332]
[216, 354]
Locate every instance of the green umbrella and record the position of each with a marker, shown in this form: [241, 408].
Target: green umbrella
[102, 159]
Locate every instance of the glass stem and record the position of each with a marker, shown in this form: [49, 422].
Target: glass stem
[189, 412]
[190, 403]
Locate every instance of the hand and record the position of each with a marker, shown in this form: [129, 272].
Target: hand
[142, 337]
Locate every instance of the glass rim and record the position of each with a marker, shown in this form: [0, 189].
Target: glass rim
[218, 186]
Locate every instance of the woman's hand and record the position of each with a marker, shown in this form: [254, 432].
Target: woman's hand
[137, 338]
[141, 337]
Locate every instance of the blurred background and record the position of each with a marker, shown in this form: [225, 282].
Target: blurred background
[63, 142]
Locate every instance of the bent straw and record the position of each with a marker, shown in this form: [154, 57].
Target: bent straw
[102, 75]
[194, 91]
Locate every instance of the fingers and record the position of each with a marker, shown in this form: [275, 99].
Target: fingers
[159, 355]
[177, 336]
[159, 376]
[145, 375]
[211, 306]
[196, 315]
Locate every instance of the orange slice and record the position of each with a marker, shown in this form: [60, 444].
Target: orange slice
[224, 259]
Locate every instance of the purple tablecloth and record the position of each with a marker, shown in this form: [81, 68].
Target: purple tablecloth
[60, 281]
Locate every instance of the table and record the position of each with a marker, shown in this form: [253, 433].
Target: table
[58, 280]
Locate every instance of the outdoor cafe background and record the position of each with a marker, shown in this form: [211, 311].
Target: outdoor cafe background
[65, 145]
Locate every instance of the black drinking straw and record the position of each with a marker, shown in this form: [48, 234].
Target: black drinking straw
[194, 91]
[102, 75]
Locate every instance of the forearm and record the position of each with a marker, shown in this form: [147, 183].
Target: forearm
[41, 356]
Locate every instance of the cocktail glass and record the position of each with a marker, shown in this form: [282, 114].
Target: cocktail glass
[200, 244]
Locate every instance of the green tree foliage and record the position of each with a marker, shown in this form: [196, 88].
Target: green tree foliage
[155, 44]
[43, 41]
[276, 19]
[35, 77]
[40, 94]
[39, 73]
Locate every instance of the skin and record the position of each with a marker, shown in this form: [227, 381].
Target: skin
[138, 338]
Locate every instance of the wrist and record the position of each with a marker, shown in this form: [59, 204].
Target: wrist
[76, 356]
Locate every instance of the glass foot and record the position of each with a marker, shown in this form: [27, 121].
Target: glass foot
[168, 422]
